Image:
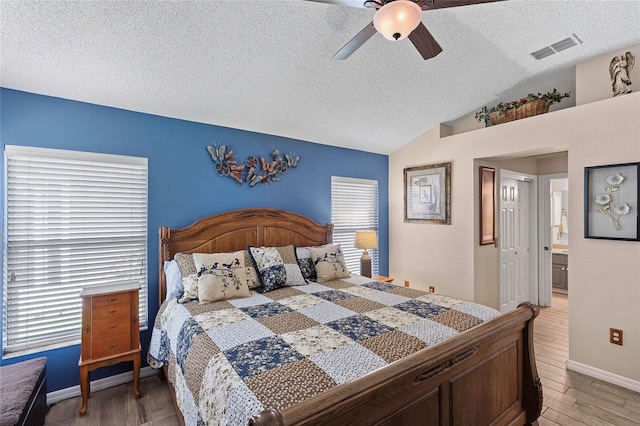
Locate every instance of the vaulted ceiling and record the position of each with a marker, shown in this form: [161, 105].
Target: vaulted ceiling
[266, 66]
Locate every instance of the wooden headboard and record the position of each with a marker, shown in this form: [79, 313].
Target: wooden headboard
[237, 230]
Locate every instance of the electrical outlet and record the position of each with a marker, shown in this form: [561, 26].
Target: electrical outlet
[432, 289]
[615, 336]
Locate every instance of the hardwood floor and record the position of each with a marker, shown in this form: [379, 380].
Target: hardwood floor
[116, 406]
[570, 398]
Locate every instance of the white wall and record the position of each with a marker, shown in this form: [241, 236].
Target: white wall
[605, 275]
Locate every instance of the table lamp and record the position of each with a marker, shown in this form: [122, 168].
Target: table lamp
[366, 240]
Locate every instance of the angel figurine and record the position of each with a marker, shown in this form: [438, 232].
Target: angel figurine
[620, 69]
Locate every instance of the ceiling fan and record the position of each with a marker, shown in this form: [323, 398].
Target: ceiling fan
[396, 20]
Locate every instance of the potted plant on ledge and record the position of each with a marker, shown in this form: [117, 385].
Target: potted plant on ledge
[515, 110]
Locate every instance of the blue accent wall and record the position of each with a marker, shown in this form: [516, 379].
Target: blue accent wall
[183, 185]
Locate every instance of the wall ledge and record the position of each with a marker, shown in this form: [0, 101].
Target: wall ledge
[469, 124]
[603, 375]
[98, 385]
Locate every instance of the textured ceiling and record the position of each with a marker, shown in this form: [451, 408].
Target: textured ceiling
[266, 66]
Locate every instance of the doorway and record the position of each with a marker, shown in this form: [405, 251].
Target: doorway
[554, 217]
[538, 170]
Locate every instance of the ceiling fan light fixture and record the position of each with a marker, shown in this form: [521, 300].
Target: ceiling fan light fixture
[397, 19]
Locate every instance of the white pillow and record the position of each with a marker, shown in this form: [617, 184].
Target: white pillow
[175, 289]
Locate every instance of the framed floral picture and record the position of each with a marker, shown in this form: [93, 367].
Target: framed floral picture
[611, 195]
[427, 197]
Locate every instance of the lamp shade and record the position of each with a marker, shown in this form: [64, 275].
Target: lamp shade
[366, 240]
[397, 19]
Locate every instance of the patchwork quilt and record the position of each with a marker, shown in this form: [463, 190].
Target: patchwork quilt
[231, 359]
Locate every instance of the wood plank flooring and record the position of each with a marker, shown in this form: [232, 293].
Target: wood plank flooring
[117, 406]
[570, 398]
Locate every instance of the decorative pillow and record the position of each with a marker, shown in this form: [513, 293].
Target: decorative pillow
[252, 275]
[221, 276]
[173, 280]
[185, 264]
[306, 263]
[190, 284]
[329, 262]
[277, 267]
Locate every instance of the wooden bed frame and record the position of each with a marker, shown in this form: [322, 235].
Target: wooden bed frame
[484, 376]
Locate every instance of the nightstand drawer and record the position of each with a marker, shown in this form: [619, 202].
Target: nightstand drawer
[111, 326]
[111, 311]
[112, 345]
[110, 300]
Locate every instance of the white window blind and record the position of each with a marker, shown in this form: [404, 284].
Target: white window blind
[72, 220]
[354, 207]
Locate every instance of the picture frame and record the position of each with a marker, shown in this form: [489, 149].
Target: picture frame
[611, 195]
[427, 197]
[487, 206]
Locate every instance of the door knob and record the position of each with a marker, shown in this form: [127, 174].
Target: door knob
[546, 248]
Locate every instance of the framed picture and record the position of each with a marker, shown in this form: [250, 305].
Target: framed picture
[427, 197]
[611, 195]
[487, 205]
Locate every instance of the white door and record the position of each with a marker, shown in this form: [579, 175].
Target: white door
[514, 243]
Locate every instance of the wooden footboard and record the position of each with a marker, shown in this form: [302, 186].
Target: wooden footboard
[484, 376]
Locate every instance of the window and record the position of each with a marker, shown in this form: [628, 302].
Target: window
[72, 220]
[354, 207]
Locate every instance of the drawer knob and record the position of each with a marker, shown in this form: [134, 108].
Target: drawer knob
[112, 312]
[110, 346]
[112, 299]
[111, 327]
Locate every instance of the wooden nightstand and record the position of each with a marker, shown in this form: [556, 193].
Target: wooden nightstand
[382, 278]
[110, 332]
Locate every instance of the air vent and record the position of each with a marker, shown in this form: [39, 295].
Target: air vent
[557, 47]
[563, 44]
[543, 53]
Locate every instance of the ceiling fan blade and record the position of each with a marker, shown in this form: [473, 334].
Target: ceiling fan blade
[424, 42]
[424, 4]
[350, 3]
[356, 42]
[441, 4]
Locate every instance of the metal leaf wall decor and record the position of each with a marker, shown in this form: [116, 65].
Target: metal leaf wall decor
[251, 170]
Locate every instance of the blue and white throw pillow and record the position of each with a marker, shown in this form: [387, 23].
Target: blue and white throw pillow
[306, 263]
[277, 267]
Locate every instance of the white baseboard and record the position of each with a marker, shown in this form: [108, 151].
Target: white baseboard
[98, 385]
[603, 375]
